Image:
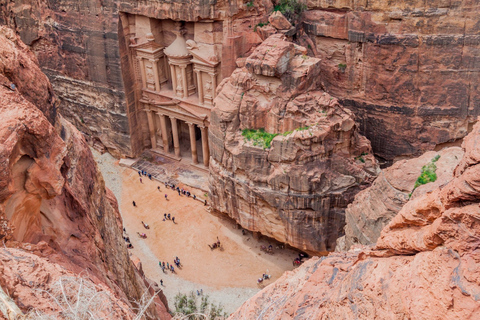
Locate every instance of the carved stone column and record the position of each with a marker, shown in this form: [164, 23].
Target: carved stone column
[214, 84]
[176, 142]
[155, 74]
[142, 71]
[185, 83]
[205, 149]
[174, 79]
[193, 142]
[200, 86]
[151, 128]
[163, 127]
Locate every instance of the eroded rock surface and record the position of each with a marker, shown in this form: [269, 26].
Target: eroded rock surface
[50, 188]
[406, 68]
[297, 189]
[375, 207]
[424, 266]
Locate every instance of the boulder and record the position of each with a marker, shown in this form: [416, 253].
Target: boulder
[278, 21]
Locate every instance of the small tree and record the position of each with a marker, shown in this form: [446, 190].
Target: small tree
[291, 9]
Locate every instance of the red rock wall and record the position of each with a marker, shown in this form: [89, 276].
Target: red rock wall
[81, 47]
[407, 69]
[51, 192]
[424, 266]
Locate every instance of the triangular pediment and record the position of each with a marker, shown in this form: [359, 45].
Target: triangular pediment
[197, 58]
[183, 112]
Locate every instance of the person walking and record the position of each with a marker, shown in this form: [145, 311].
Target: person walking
[141, 180]
[134, 204]
[166, 196]
[173, 219]
[139, 173]
[161, 282]
[158, 188]
[168, 216]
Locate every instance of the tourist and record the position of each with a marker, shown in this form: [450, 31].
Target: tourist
[149, 176]
[166, 196]
[173, 219]
[160, 263]
[165, 185]
[194, 197]
[201, 292]
[165, 215]
[168, 216]
[161, 282]
[205, 203]
[158, 188]
[172, 269]
[134, 204]
[178, 191]
[168, 265]
[139, 173]
[141, 180]
[198, 293]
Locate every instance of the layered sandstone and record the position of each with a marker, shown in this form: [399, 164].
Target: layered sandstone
[424, 266]
[375, 207]
[83, 47]
[51, 192]
[295, 190]
[406, 68]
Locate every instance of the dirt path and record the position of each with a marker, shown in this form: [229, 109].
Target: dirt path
[228, 275]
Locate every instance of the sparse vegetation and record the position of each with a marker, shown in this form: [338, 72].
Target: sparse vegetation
[77, 298]
[260, 24]
[360, 157]
[259, 137]
[428, 173]
[302, 128]
[191, 308]
[291, 9]
[250, 4]
[342, 67]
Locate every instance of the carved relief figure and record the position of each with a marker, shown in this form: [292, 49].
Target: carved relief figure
[149, 75]
[208, 89]
[179, 84]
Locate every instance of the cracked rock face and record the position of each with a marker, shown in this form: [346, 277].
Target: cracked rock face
[424, 265]
[52, 195]
[375, 207]
[297, 189]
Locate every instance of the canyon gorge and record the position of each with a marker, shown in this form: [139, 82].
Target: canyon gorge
[314, 127]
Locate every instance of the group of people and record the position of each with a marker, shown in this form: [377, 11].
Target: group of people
[169, 266]
[168, 217]
[144, 173]
[127, 239]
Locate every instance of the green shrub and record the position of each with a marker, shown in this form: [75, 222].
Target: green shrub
[302, 128]
[259, 137]
[190, 308]
[428, 173]
[291, 9]
[250, 4]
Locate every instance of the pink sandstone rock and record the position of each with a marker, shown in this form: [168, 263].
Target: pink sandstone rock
[373, 208]
[424, 266]
[278, 21]
[51, 191]
[296, 190]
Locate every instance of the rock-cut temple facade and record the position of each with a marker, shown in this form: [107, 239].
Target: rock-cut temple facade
[177, 66]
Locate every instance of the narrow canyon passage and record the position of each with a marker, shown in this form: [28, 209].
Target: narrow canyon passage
[228, 276]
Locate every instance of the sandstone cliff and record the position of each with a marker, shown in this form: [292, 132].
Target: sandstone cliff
[406, 68]
[296, 189]
[424, 266]
[374, 207]
[51, 192]
[83, 47]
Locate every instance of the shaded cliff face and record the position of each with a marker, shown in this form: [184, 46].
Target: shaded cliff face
[83, 49]
[375, 207]
[296, 190]
[407, 69]
[51, 192]
[424, 266]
